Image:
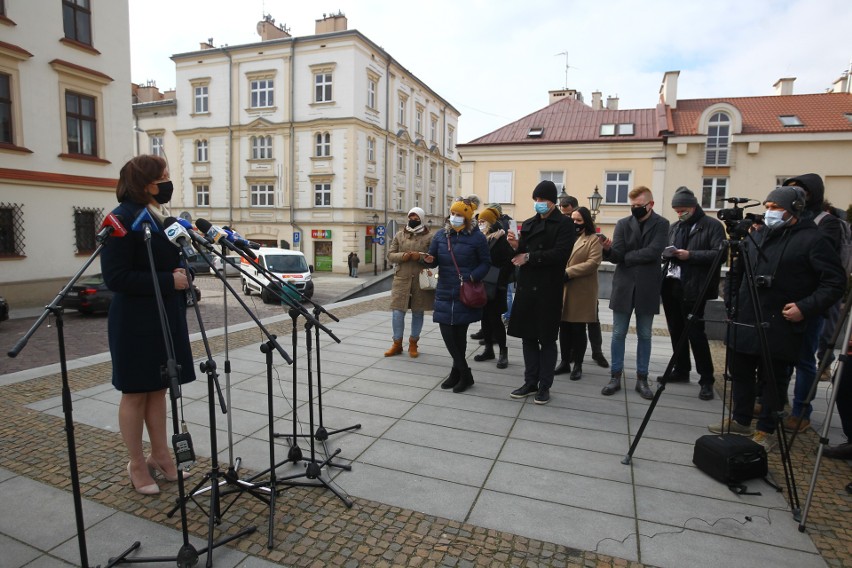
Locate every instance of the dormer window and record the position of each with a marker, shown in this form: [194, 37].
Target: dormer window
[625, 129]
[535, 132]
[607, 130]
[790, 120]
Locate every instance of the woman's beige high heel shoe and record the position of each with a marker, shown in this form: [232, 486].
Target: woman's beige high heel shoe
[152, 489]
[154, 466]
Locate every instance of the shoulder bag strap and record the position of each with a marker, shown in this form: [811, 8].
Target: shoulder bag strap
[450, 248]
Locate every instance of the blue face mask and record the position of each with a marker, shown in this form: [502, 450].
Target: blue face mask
[773, 219]
[541, 207]
[456, 220]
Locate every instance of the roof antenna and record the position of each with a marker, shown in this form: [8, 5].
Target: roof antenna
[565, 53]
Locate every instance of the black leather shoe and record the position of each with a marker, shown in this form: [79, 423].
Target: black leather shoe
[503, 360]
[706, 392]
[478, 335]
[838, 452]
[525, 390]
[562, 368]
[576, 372]
[465, 382]
[542, 396]
[486, 355]
[600, 360]
[452, 379]
[612, 386]
[642, 387]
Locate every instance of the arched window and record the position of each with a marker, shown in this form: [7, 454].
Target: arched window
[201, 151]
[261, 147]
[718, 140]
[323, 144]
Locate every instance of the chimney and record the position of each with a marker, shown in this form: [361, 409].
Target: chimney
[332, 23]
[668, 90]
[267, 29]
[148, 93]
[556, 96]
[784, 86]
[206, 45]
[612, 103]
[169, 95]
[841, 85]
[597, 103]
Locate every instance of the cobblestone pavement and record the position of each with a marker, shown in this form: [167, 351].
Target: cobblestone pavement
[312, 528]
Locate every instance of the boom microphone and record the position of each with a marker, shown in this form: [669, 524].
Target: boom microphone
[179, 236]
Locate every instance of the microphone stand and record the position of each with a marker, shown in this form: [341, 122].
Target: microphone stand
[57, 310]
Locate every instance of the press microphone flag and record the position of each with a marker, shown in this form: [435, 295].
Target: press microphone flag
[143, 217]
[179, 236]
[238, 239]
[111, 227]
[214, 234]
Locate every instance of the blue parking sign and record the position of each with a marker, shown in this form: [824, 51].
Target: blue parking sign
[297, 236]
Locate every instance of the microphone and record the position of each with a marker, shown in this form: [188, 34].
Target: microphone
[111, 227]
[143, 218]
[179, 236]
[214, 234]
[193, 233]
[238, 239]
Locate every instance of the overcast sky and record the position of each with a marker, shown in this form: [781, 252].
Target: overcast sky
[496, 61]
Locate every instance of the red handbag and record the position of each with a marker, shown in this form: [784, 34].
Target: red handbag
[472, 294]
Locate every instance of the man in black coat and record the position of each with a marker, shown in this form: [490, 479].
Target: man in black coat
[541, 253]
[797, 276]
[694, 242]
[635, 249]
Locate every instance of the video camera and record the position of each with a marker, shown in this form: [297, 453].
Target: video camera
[736, 221]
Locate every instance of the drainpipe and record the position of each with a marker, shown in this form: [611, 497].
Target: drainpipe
[293, 144]
[387, 165]
[230, 138]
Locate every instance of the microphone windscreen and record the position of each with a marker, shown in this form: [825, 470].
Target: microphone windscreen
[203, 225]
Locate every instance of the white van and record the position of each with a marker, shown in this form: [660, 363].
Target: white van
[288, 265]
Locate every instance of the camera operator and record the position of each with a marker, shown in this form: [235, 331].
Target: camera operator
[797, 276]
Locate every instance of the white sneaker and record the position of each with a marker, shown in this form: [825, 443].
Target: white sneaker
[728, 426]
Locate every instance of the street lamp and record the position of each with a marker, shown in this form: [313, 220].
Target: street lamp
[375, 248]
[563, 195]
[595, 203]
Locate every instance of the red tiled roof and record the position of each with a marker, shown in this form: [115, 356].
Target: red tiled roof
[570, 120]
[825, 112]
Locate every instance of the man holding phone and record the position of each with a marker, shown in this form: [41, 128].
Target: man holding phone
[694, 242]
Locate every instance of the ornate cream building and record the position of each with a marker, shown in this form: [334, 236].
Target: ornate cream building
[305, 142]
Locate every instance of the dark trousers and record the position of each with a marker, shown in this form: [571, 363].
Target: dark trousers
[493, 330]
[595, 337]
[539, 363]
[677, 311]
[844, 399]
[572, 341]
[745, 370]
[455, 338]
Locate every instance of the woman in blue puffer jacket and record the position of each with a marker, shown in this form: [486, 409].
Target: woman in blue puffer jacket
[471, 254]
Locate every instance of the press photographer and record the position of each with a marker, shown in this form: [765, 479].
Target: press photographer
[797, 276]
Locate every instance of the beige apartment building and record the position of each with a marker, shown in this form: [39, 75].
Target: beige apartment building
[304, 142]
[65, 132]
[719, 148]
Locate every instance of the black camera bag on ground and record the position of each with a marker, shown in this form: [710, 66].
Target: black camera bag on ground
[731, 459]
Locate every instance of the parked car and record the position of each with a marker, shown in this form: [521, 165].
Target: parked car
[198, 264]
[90, 295]
[231, 267]
[4, 309]
[285, 266]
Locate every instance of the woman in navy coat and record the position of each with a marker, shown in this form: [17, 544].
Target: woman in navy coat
[136, 340]
[471, 254]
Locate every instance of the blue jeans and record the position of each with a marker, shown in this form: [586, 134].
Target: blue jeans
[398, 324]
[620, 323]
[806, 367]
[510, 294]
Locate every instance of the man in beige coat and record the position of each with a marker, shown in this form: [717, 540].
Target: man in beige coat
[409, 246]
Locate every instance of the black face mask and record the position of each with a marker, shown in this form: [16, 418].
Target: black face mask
[579, 228]
[166, 189]
[413, 223]
[639, 212]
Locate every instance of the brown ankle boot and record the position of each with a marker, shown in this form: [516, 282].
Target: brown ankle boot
[412, 347]
[395, 349]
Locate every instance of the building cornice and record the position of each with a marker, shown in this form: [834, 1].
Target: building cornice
[62, 66]
[643, 150]
[14, 51]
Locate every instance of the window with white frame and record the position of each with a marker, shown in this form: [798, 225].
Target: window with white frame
[418, 121]
[201, 151]
[401, 110]
[400, 160]
[322, 194]
[371, 149]
[202, 195]
[262, 195]
[201, 100]
[713, 189]
[449, 178]
[372, 84]
[451, 142]
[323, 144]
[433, 129]
[262, 92]
[418, 166]
[431, 204]
[433, 170]
[157, 145]
[558, 178]
[369, 197]
[718, 140]
[398, 199]
[322, 88]
[500, 187]
[417, 200]
[617, 187]
[261, 147]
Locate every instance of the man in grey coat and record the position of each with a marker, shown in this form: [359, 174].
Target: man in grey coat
[635, 249]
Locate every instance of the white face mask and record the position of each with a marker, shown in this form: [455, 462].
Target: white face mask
[483, 227]
[773, 218]
[456, 220]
